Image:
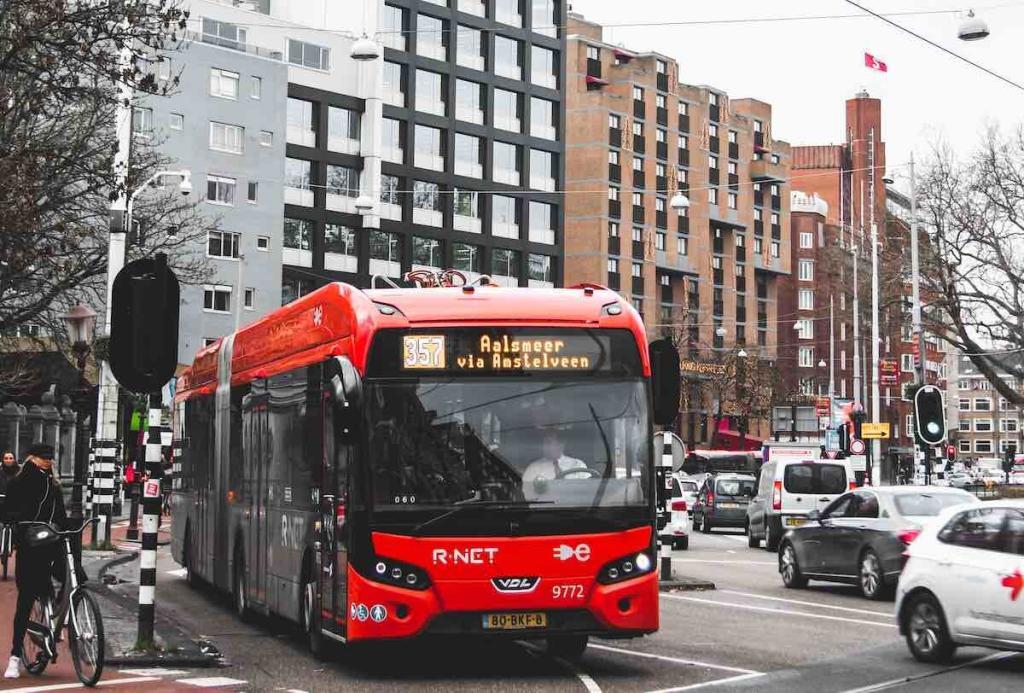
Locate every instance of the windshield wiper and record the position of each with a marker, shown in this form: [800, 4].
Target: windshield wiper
[476, 502]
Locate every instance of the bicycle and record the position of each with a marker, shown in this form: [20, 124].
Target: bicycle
[48, 618]
[6, 545]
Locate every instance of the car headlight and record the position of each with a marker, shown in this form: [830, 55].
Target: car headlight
[624, 568]
[399, 574]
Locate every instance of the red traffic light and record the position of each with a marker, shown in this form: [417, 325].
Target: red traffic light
[950, 452]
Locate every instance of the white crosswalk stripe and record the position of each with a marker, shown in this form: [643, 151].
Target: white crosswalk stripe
[211, 681]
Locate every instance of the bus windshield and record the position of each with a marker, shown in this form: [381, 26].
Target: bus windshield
[553, 443]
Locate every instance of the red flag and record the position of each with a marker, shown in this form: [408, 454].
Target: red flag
[874, 63]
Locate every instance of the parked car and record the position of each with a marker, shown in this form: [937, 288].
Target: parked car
[722, 501]
[962, 582]
[788, 490]
[677, 531]
[960, 479]
[688, 486]
[861, 536]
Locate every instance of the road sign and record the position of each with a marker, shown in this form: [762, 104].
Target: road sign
[859, 463]
[875, 431]
[678, 448]
[144, 324]
[151, 489]
[888, 372]
[823, 406]
[831, 454]
[832, 440]
[857, 446]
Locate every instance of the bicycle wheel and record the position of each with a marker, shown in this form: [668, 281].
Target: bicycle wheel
[86, 638]
[33, 648]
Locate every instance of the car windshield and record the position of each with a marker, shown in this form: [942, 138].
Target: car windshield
[735, 487]
[928, 504]
[689, 486]
[556, 443]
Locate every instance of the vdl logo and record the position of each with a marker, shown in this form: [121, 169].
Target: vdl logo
[515, 584]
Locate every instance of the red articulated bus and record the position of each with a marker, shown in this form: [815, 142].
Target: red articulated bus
[379, 464]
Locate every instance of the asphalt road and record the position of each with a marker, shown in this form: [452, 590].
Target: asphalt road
[751, 634]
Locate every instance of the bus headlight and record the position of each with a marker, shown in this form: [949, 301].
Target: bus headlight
[400, 574]
[625, 568]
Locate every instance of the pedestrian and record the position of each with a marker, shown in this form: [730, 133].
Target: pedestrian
[34, 496]
[8, 470]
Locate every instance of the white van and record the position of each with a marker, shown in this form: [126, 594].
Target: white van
[789, 487]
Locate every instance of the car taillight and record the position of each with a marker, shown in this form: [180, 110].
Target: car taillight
[777, 496]
[711, 498]
[908, 535]
[679, 505]
[853, 485]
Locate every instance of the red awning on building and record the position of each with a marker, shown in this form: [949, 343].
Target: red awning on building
[595, 82]
[728, 439]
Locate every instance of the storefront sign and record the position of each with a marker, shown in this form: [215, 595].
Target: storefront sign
[702, 368]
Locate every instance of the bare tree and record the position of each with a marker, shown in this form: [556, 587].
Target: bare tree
[973, 258]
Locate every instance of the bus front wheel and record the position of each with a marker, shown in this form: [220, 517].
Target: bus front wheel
[570, 647]
[309, 616]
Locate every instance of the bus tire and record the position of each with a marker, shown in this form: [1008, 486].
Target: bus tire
[239, 599]
[309, 614]
[568, 647]
[191, 579]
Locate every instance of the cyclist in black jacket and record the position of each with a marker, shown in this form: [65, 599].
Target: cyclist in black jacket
[33, 495]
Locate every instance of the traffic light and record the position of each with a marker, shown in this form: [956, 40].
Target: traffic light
[951, 452]
[929, 416]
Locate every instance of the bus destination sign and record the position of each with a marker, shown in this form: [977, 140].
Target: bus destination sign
[498, 352]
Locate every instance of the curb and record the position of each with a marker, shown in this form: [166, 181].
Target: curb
[684, 584]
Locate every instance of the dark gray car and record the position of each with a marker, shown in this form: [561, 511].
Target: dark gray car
[861, 536]
[722, 501]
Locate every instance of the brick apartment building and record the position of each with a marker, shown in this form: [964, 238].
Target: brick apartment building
[987, 424]
[706, 275]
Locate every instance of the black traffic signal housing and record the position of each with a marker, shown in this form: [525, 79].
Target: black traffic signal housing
[929, 416]
[1011, 452]
[951, 452]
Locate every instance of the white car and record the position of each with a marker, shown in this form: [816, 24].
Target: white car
[963, 583]
[684, 492]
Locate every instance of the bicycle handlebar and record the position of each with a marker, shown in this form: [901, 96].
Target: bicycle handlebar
[63, 533]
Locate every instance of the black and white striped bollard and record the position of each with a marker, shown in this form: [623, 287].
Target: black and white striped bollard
[103, 469]
[150, 523]
[665, 548]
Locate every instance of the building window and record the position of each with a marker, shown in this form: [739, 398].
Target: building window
[209, 341]
[1008, 425]
[733, 200]
[223, 34]
[467, 102]
[426, 203]
[983, 446]
[297, 233]
[614, 122]
[227, 138]
[342, 130]
[982, 404]
[222, 244]
[806, 297]
[613, 265]
[429, 151]
[249, 298]
[142, 122]
[682, 245]
[256, 88]
[298, 181]
[266, 138]
[426, 253]
[542, 170]
[539, 271]
[301, 128]
[542, 119]
[506, 163]
[593, 53]
[805, 357]
[712, 161]
[660, 101]
[309, 55]
[507, 58]
[965, 446]
[469, 48]
[613, 193]
[637, 269]
[806, 270]
[392, 27]
[263, 243]
[965, 404]
[805, 329]
[613, 229]
[542, 223]
[505, 266]
[713, 195]
[507, 110]
[177, 121]
[254, 191]
[430, 93]
[983, 425]
[965, 425]
[638, 93]
[394, 84]
[343, 181]
[543, 67]
[806, 239]
[907, 362]
[224, 84]
[507, 12]
[467, 258]
[217, 299]
[504, 216]
[220, 190]
[468, 156]
[385, 258]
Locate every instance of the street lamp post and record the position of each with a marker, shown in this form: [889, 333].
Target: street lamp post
[80, 323]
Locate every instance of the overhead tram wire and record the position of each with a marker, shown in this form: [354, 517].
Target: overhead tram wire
[942, 48]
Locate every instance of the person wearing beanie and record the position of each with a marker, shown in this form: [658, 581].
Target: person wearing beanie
[33, 495]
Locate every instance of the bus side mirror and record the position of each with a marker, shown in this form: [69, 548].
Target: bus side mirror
[346, 385]
[664, 381]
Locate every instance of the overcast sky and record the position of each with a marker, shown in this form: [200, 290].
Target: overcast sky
[807, 69]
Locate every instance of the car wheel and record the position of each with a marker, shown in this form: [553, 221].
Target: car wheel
[771, 542]
[871, 580]
[705, 524]
[684, 543]
[926, 632]
[752, 541]
[789, 568]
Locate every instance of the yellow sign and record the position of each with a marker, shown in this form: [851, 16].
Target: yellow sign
[875, 431]
[423, 351]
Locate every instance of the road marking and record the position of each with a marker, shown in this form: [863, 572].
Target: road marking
[676, 660]
[70, 686]
[892, 683]
[787, 612]
[708, 684]
[713, 561]
[211, 681]
[588, 682]
[803, 603]
[154, 671]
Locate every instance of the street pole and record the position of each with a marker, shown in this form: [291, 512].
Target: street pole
[106, 438]
[241, 292]
[664, 512]
[876, 444]
[150, 524]
[857, 394]
[915, 277]
[831, 347]
[371, 87]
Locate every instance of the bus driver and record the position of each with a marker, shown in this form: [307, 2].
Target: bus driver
[553, 462]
